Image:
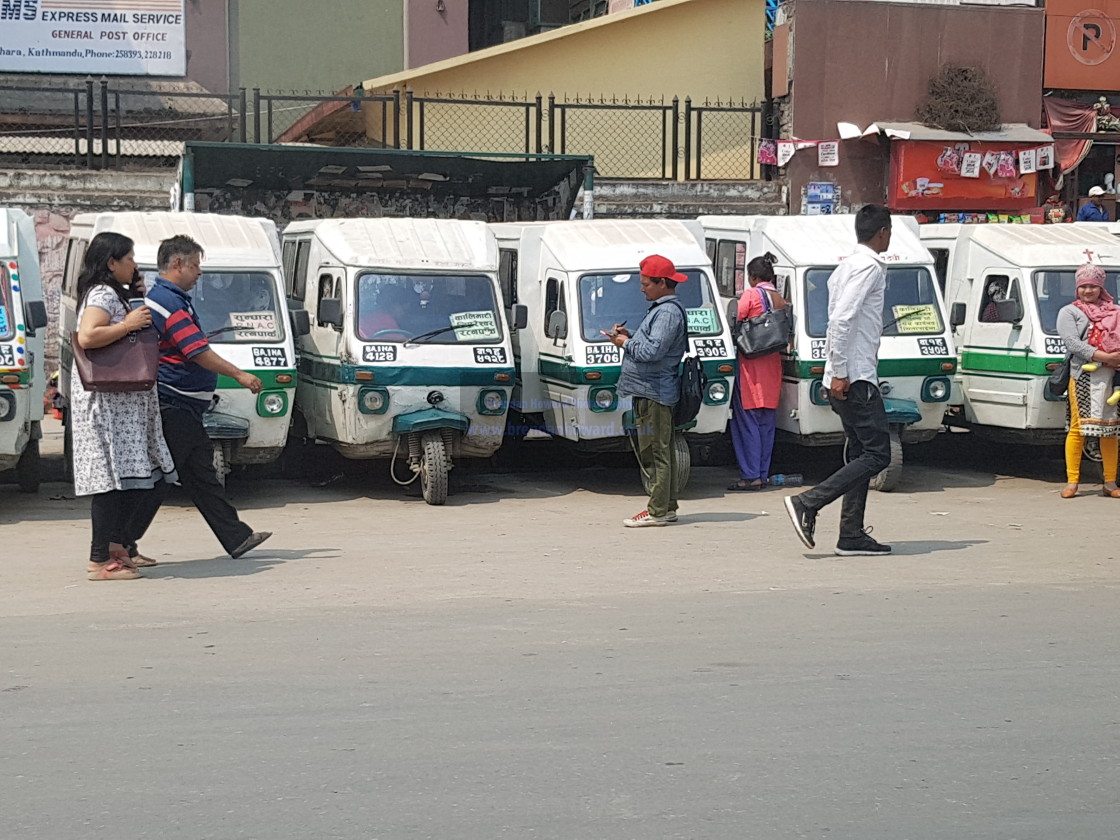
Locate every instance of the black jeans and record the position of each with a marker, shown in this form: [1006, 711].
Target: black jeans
[869, 452]
[121, 516]
[193, 453]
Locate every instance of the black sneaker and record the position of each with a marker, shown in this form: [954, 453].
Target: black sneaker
[863, 544]
[804, 520]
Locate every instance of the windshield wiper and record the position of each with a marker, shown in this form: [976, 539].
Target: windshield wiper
[909, 314]
[221, 330]
[416, 339]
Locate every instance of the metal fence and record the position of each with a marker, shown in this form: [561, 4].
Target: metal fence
[98, 125]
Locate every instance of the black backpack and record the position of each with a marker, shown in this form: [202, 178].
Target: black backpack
[694, 382]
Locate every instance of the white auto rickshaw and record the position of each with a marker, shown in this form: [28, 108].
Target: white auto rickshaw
[240, 303]
[408, 357]
[1005, 285]
[917, 357]
[578, 278]
[23, 321]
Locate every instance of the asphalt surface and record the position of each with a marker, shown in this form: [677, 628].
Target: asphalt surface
[516, 664]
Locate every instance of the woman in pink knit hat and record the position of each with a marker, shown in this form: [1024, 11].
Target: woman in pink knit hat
[1090, 328]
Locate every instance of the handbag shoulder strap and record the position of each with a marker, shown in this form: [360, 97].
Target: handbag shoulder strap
[767, 305]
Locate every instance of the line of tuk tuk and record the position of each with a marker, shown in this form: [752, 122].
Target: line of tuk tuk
[23, 322]
[422, 341]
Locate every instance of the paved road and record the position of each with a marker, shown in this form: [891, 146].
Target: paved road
[518, 665]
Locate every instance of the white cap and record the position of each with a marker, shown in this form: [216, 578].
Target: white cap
[1096, 191]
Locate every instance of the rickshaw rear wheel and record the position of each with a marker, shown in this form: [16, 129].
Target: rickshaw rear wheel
[28, 468]
[221, 462]
[682, 462]
[891, 477]
[433, 468]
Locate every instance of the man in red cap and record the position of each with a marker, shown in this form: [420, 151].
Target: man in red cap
[651, 375]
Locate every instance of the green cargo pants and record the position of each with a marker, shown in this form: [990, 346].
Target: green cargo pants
[654, 424]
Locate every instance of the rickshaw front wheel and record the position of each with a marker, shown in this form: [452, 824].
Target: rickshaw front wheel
[434, 467]
[28, 468]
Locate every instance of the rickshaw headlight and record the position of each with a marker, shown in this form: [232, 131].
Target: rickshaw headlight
[818, 394]
[603, 399]
[7, 405]
[491, 402]
[272, 404]
[373, 401]
[936, 389]
[716, 393]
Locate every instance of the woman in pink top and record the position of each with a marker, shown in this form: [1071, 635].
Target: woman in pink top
[754, 404]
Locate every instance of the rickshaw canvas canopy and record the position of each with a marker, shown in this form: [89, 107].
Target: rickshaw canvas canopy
[406, 244]
[228, 241]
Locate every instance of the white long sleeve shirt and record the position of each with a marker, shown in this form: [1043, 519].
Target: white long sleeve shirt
[855, 318]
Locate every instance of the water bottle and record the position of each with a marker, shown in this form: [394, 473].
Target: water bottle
[787, 480]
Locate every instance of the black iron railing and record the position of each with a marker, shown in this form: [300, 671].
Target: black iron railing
[99, 125]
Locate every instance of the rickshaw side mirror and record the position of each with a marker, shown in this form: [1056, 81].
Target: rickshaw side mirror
[330, 313]
[732, 311]
[557, 325]
[1009, 311]
[956, 314]
[34, 316]
[301, 322]
[519, 315]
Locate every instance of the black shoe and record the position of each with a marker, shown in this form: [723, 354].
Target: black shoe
[804, 520]
[863, 544]
[251, 542]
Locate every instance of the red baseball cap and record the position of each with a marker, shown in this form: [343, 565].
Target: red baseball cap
[656, 265]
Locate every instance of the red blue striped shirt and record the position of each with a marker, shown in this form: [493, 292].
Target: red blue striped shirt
[182, 382]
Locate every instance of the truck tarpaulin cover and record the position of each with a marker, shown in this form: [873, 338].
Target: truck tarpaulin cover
[547, 183]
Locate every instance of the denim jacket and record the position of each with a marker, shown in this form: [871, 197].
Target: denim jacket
[651, 358]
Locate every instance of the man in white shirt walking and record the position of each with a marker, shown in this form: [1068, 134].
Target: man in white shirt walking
[855, 325]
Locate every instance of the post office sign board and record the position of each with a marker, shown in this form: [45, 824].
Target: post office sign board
[93, 37]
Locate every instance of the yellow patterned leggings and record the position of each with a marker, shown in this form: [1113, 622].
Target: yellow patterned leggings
[1075, 443]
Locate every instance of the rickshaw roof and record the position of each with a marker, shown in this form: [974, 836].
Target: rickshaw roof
[228, 241]
[1048, 245]
[413, 244]
[620, 244]
[827, 240]
[10, 220]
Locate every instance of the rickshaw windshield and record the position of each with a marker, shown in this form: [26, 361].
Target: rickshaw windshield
[7, 316]
[910, 305]
[609, 299]
[1054, 288]
[427, 308]
[235, 307]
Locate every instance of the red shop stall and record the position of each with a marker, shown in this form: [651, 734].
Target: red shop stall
[951, 176]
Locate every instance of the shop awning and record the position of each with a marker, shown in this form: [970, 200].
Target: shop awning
[1008, 133]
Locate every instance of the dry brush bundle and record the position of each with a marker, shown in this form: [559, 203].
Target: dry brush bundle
[960, 99]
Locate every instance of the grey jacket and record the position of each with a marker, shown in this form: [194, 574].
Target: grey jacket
[1073, 326]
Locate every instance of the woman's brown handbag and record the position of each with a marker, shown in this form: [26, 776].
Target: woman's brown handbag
[128, 364]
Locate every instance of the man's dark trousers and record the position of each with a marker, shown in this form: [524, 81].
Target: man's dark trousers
[869, 452]
[193, 452]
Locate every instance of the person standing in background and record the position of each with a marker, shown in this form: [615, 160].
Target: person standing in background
[758, 385]
[1093, 210]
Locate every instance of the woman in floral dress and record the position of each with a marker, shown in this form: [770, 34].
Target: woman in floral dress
[120, 457]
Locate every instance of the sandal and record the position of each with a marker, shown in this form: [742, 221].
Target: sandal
[113, 570]
[1114, 493]
[136, 560]
[743, 485]
[114, 557]
[1069, 491]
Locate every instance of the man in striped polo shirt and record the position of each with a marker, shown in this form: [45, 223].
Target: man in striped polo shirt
[188, 376]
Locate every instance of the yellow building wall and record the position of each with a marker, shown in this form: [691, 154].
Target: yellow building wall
[703, 49]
